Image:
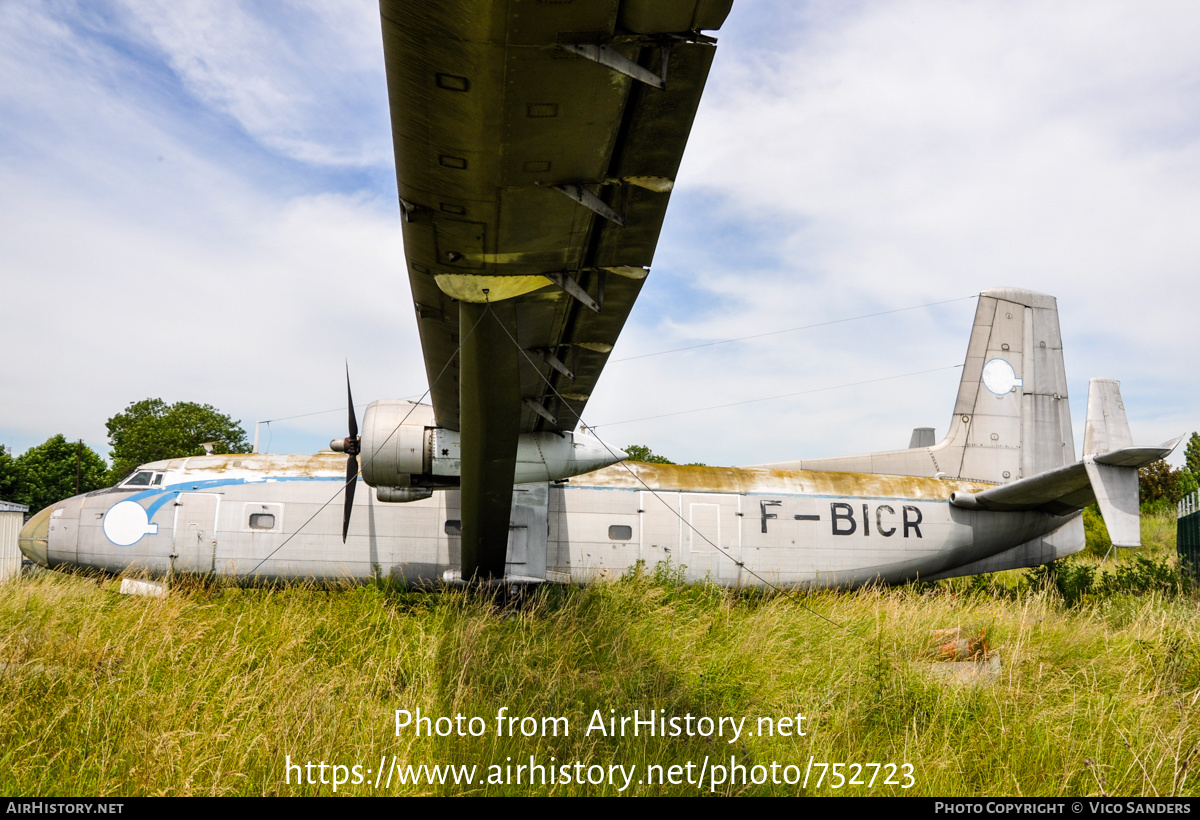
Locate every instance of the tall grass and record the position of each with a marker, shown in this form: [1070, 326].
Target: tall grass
[210, 691]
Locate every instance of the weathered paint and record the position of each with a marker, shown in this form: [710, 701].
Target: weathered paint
[631, 475]
[727, 525]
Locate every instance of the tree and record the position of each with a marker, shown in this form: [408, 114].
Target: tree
[642, 453]
[1192, 455]
[1161, 487]
[47, 473]
[1189, 482]
[1189, 476]
[152, 430]
[10, 479]
[1095, 531]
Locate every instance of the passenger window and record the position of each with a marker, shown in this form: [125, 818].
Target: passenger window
[620, 532]
[262, 521]
[453, 527]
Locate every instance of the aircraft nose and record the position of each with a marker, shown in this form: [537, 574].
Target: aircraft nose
[34, 539]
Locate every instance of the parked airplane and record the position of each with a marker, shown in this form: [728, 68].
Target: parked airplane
[536, 148]
[1002, 490]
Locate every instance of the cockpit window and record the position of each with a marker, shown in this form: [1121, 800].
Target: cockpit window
[157, 479]
[141, 478]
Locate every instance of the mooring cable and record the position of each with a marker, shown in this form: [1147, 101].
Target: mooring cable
[741, 564]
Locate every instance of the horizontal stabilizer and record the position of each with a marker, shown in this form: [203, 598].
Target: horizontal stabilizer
[1060, 492]
[1063, 490]
[1138, 456]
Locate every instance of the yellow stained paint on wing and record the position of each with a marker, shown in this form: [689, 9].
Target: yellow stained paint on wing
[660, 185]
[501, 258]
[469, 287]
[628, 271]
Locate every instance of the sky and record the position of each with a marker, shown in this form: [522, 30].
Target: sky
[198, 203]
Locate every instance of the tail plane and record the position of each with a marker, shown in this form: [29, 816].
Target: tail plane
[1012, 427]
[1107, 475]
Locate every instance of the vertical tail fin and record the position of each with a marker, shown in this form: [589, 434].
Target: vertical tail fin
[1115, 486]
[1107, 427]
[1011, 418]
[1110, 464]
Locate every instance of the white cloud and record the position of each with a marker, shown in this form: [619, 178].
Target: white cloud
[292, 76]
[894, 154]
[151, 254]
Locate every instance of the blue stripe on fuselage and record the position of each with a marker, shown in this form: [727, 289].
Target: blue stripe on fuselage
[176, 490]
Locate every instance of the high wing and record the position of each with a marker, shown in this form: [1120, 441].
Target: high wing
[536, 144]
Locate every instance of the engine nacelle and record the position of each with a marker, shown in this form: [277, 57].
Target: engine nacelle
[402, 450]
[397, 442]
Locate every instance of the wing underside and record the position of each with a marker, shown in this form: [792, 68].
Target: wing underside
[537, 142]
[526, 132]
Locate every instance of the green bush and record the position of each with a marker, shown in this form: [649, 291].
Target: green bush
[1095, 532]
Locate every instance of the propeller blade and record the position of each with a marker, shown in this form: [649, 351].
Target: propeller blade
[351, 483]
[350, 405]
[351, 450]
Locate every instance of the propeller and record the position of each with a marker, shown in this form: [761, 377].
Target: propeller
[351, 446]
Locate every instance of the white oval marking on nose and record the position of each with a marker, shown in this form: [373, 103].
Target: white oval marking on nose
[126, 523]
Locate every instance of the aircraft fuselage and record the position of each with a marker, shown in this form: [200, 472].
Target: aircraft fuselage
[260, 518]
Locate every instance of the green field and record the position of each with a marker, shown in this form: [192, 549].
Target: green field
[213, 691]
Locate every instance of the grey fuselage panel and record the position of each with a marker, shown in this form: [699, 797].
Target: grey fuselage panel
[274, 517]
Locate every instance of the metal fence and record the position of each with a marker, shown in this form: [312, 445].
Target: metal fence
[1187, 532]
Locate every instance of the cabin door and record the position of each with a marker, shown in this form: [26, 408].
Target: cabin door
[527, 531]
[712, 522]
[195, 544]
